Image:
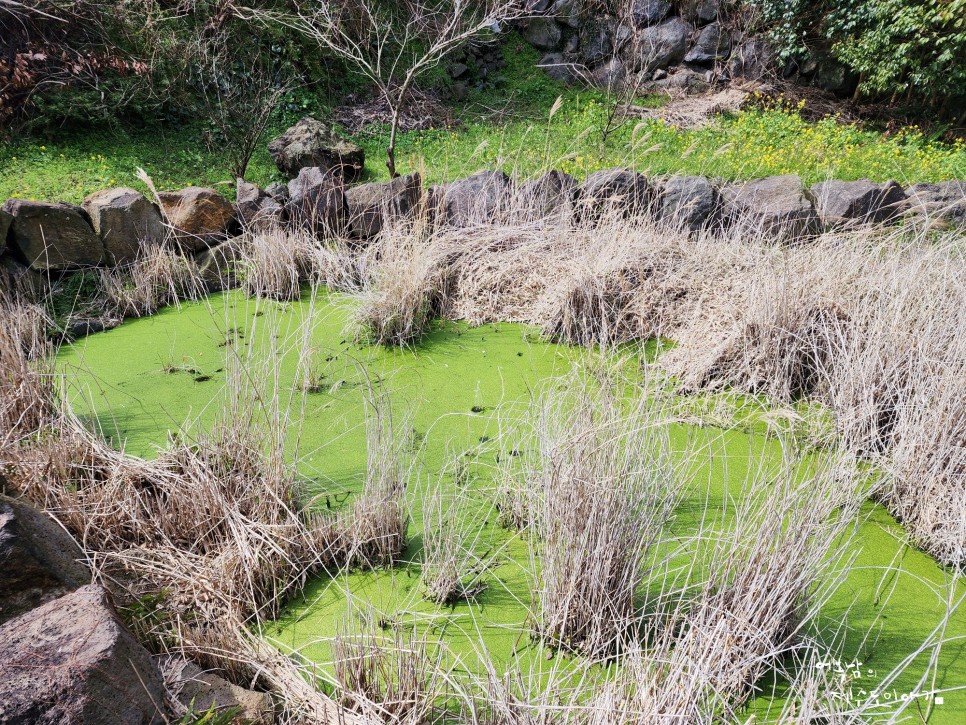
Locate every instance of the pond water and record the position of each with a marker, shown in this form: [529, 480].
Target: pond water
[462, 389]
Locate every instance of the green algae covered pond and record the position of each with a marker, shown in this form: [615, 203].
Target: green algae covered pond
[462, 389]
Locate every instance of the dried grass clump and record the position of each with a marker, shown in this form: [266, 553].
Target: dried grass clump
[274, 262]
[606, 491]
[372, 533]
[26, 394]
[766, 580]
[389, 678]
[452, 569]
[406, 288]
[159, 276]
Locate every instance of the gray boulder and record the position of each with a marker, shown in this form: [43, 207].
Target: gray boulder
[776, 207]
[623, 191]
[713, 43]
[316, 202]
[39, 561]
[198, 216]
[125, 221]
[257, 210]
[53, 237]
[371, 207]
[559, 67]
[473, 200]
[248, 200]
[753, 61]
[271, 215]
[595, 42]
[945, 201]
[648, 12]
[567, 12]
[5, 221]
[310, 143]
[844, 202]
[681, 80]
[277, 191]
[204, 691]
[544, 33]
[553, 195]
[72, 661]
[610, 76]
[661, 46]
[217, 266]
[687, 203]
[699, 12]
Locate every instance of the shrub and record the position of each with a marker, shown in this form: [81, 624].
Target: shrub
[909, 49]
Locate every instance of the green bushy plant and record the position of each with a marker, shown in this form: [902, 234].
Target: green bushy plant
[910, 50]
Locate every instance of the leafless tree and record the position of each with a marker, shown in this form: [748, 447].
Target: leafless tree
[393, 44]
[239, 91]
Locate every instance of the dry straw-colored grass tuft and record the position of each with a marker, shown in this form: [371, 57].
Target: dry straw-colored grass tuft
[389, 677]
[453, 567]
[604, 491]
[159, 276]
[406, 287]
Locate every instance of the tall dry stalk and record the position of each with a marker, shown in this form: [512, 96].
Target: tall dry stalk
[605, 493]
[453, 567]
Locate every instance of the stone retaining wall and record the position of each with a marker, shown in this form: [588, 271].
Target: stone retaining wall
[110, 227]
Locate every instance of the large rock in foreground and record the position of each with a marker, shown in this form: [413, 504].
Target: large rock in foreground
[39, 561]
[71, 661]
[199, 216]
[125, 221]
[310, 143]
[53, 237]
[372, 207]
[316, 202]
[476, 199]
[844, 202]
[776, 207]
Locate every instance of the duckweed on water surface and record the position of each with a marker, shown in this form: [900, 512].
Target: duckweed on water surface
[465, 388]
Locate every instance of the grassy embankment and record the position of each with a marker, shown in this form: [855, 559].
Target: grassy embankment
[504, 128]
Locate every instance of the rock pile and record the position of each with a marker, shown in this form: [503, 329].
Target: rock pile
[65, 654]
[112, 227]
[683, 44]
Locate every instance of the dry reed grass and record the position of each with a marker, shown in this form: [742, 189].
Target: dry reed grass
[404, 290]
[385, 677]
[159, 276]
[453, 569]
[604, 491]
